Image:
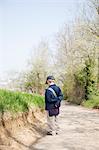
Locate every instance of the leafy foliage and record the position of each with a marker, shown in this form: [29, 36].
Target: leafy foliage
[81, 85]
[85, 78]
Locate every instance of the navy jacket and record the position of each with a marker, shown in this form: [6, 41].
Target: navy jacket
[50, 99]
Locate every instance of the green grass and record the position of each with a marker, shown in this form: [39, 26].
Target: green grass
[19, 102]
[92, 103]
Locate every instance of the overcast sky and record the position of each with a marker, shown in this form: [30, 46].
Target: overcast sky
[23, 23]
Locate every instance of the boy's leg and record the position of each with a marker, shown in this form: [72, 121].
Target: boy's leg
[50, 123]
[56, 124]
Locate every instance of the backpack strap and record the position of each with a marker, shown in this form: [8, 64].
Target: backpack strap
[50, 89]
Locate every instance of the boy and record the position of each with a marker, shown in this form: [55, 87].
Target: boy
[53, 97]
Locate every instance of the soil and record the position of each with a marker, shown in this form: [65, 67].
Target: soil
[79, 130]
[21, 131]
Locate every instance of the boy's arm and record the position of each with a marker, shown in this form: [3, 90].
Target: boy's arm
[60, 96]
[49, 98]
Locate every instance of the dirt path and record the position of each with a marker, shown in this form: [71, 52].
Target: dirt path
[79, 131]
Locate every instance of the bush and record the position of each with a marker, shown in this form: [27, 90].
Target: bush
[19, 102]
[81, 84]
[92, 103]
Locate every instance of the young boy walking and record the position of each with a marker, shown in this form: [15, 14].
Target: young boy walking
[53, 97]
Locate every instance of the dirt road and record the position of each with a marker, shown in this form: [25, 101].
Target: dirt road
[79, 130]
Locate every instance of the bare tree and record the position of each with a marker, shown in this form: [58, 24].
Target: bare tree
[39, 64]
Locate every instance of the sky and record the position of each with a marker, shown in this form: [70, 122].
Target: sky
[23, 23]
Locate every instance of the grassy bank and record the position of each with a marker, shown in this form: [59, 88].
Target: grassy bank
[92, 103]
[19, 102]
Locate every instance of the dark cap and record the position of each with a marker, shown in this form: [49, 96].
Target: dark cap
[50, 78]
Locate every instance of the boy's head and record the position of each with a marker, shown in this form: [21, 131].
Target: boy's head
[50, 79]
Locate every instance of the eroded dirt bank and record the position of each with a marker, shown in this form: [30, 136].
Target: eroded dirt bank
[21, 131]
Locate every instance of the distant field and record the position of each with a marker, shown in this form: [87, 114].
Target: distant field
[19, 102]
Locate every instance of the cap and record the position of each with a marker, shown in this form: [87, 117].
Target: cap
[50, 78]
